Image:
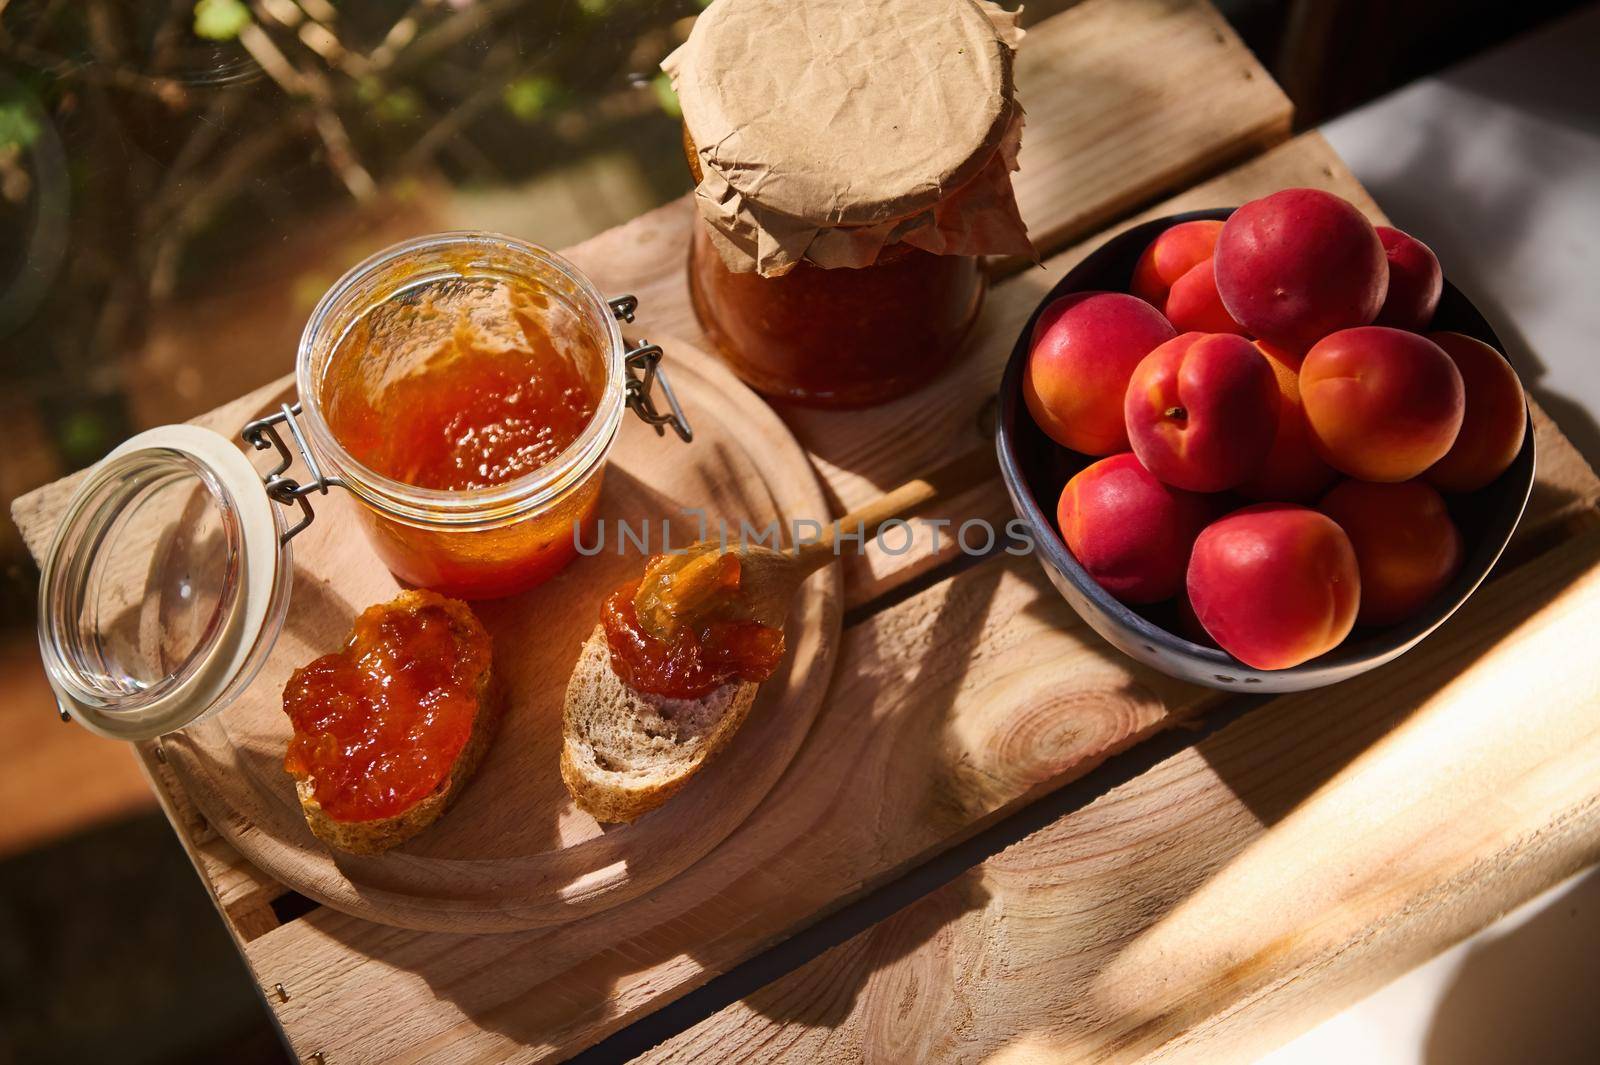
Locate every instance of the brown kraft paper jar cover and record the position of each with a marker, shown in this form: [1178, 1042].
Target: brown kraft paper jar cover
[853, 161]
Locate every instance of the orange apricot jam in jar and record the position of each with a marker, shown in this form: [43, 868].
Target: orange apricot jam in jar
[467, 389]
[491, 400]
[838, 338]
[380, 724]
[683, 630]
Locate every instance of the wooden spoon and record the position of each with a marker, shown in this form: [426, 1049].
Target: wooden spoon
[769, 579]
[626, 752]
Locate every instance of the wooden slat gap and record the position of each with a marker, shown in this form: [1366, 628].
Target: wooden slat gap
[923, 876]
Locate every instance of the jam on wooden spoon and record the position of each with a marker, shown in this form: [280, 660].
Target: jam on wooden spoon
[685, 629]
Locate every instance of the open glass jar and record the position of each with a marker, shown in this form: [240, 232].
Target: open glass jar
[168, 578]
[360, 351]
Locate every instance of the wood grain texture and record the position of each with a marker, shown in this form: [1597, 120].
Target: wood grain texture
[369, 992]
[1250, 886]
[515, 852]
[947, 710]
[1090, 155]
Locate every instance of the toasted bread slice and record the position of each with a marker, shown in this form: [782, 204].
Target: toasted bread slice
[623, 752]
[380, 834]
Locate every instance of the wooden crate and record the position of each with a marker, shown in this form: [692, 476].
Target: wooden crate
[962, 692]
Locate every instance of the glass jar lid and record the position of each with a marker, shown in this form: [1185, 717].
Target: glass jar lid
[165, 586]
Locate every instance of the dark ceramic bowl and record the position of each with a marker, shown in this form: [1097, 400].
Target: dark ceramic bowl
[1035, 468]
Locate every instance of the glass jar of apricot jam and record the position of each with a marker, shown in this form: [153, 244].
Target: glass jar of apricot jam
[466, 388]
[838, 337]
[836, 256]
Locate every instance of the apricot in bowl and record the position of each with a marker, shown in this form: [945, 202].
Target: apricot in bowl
[1036, 469]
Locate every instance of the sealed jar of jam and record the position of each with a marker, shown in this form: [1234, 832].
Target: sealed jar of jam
[465, 388]
[852, 162]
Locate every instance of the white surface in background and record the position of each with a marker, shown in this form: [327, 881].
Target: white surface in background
[1521, 992]
[1496, 166]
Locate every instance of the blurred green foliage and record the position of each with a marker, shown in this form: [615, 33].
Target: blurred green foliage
[531, 96]
[187, 142]
[18, 126]
[220, 20]
[666, 96]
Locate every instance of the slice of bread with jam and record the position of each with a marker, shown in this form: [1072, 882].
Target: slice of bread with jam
[389, 730]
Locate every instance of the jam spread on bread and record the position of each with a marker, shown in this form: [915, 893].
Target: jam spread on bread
[379, 725]
[683, 629]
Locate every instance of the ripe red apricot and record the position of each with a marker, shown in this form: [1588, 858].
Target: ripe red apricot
[1415, 281]
[1382, 404]
[1496, 417]
[1407, 548]
[1193, 305]
[1171, 255]
[1202, 410]
[1128, 530]
[1085, 347]
[1275, 584]
[1299, 264]
[1293, 471]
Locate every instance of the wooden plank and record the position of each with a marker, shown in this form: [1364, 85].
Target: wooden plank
[337, 968]
[243, 918]
[1199, 912]
[1093, 156]
[242, 893]
[948, 710]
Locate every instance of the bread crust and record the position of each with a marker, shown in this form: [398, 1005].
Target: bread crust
[380, 834]
[612, 796]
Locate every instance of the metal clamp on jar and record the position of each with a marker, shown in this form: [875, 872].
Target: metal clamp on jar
[168, 579]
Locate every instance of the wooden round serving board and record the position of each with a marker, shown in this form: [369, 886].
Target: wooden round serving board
[514, 852]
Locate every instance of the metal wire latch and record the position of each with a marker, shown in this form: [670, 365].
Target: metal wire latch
[642, 367]
[262, 434]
